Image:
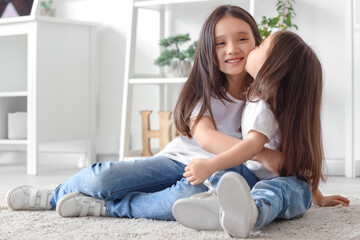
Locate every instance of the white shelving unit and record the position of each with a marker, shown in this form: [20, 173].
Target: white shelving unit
[131, 78]
[13, 94]
[49, 66]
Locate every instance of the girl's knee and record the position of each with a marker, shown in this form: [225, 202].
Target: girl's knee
[183, 189]
[96, 177]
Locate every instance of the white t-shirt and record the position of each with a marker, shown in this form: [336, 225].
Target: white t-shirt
[258, 116]
[227, 116]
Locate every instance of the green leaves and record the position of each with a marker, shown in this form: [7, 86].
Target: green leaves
[165, 58]
[283, 21]
[174, 42]
[190, 52]
[46, 4]
[177, 40]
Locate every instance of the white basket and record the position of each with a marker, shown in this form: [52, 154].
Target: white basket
[17, 125]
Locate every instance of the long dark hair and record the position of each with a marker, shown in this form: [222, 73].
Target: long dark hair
[206, 80]
[291, 82]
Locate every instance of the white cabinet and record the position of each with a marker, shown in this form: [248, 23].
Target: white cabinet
[131, 78]
[47, 68]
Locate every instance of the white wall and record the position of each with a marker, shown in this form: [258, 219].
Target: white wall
[357, 81]
[321, 25]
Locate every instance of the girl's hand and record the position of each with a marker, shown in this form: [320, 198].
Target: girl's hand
[198, 171]
[333, 200]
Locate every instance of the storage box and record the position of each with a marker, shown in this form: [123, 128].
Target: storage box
[17, 125]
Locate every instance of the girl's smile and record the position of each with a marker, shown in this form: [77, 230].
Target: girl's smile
[234, 61]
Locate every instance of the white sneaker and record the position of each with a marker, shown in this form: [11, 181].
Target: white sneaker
[80, 205]
[200, 211]
[28, 198]
[238, 209]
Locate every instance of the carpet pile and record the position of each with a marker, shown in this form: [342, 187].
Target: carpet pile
[318, 223]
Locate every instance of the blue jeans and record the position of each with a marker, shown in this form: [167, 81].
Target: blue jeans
[281, 198]
[148, 188]
[145, 188]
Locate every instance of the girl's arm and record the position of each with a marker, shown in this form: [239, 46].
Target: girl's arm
[216, 142]
[209, 138]
[200, 169]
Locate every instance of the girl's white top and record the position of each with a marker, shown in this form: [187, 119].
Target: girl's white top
[258, 116]
[227, 116]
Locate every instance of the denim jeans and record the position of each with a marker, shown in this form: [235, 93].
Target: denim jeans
[281, 198]
[145, 188]
[148, 188]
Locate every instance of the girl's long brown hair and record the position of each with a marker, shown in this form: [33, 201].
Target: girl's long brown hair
[290, 81]
[206, 80]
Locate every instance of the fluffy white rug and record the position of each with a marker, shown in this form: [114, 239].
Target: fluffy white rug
[318, 223]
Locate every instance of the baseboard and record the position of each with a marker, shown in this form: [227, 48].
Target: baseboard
[336, 167]
[53, 158]
[44, 158]
[61, 153]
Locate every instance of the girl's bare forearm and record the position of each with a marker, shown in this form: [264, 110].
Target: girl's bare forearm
[239, 153]
[210, 139]
[216, 142]
[220, 143]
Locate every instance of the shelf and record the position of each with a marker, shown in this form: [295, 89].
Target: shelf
[145, 81]
[174, 4]
[152, 3]
[24, 19]
[13, 94]
[13, 142]
[37, 68]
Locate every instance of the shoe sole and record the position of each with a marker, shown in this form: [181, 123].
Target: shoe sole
[233, 194]
[8, 197]
[64, 199]
[194, 215]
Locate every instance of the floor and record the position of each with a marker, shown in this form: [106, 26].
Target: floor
[12, 174]
[15, 174]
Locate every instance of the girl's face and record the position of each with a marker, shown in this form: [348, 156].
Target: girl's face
[234, 40]
[257, 57]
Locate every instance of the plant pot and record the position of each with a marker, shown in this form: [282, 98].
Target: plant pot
[180, 68]
[47, 12]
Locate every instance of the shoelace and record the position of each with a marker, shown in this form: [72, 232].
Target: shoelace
[209, 185]
[210, 193]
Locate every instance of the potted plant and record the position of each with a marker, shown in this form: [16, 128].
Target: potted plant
[172, 55]
[46, 8]
[283, 21]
